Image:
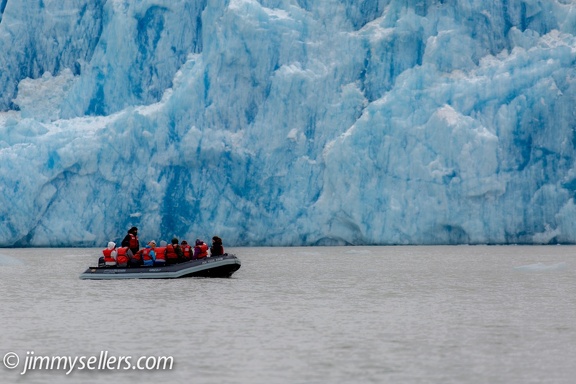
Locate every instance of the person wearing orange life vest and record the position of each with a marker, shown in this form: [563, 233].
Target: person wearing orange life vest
[131, 240]
[160, 252]
[149, 255]
[200, 250]
[110, 254]
[136, 260]
[186, 250]
[123, 256]
[173, 253]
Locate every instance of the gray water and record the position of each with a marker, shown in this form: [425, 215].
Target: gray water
[466, 314]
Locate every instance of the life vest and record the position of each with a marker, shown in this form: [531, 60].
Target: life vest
[160, 253]
[122, 256]
[147, 258]
[138, 255]
[109, 257]
[200, 251]
[187, 251]
[134, 243]
[171, 252]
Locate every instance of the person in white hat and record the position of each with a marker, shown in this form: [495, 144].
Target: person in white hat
[110, 254]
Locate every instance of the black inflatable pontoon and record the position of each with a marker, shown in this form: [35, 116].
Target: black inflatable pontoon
[217, 266]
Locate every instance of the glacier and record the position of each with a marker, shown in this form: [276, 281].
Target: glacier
[288, 122]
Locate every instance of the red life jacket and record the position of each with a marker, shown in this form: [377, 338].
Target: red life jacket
[187, 251]
[146, 256]
[122, 257]
[134, 243]
[109, 256]
[138, 255]
[160, 253]
[171, 253]
[200, 251]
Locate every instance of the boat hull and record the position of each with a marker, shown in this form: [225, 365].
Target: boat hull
[218, 266]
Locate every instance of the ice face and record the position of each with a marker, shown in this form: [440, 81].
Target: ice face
[287, 122]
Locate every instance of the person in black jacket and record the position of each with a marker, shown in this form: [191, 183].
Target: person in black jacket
[216, 249]
[131, 240]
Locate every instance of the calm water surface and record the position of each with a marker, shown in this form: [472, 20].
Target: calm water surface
[304, 315]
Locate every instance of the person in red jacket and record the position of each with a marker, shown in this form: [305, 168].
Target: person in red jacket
[110, 254]
[123, 256]
[160, 252]
[186, 250]
[173, 252]
[131, 240]
[200, 249]
[149, 254]
[136, 260]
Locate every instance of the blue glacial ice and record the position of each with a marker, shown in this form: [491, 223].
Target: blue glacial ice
[288, 122]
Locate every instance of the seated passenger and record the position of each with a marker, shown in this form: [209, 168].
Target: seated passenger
[200, 250]
[186, 250]
[216, 249]
[160, 253]
[136, 259]
[173, 252]
[110, 254]
[149, 255]
[123, 257]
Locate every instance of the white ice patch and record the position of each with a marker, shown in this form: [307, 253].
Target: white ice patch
[41, 98]
[6, 260]
[536, 267]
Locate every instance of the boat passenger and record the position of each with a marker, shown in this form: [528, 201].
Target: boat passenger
[200, 249]
[131, 240]
[216, 249]
[186, 250]
[160, 254]
[123, 257]
[110, 254]
[136, 259]
[149, 255]
[173, 252]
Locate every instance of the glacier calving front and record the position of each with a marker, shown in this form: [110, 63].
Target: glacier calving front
[288, 122]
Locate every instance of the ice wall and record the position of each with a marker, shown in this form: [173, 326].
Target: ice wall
[288, 122]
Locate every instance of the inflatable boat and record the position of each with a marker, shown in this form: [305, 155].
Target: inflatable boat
[217, 266]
